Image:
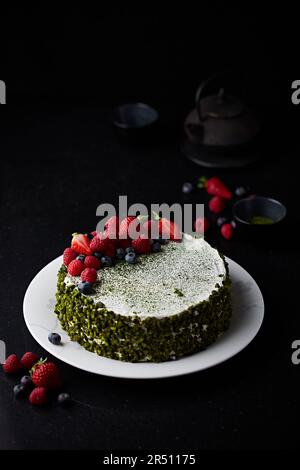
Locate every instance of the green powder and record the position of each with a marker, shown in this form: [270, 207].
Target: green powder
[261, 220]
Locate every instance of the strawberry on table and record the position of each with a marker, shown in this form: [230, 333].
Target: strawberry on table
[81, 244]
[216, 204]
[45, 374]
[215, 187]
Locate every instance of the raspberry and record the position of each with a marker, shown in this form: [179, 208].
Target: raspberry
[227, 231]
[12, 364]
[216, 204]
[75, 268]
[92, 262]
[141, 245]
[89, 275]
[201, 225]
[28, 360]
[69, 255]
[99, 243]
[38, 396]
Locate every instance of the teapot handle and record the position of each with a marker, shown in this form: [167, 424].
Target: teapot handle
[200, 92]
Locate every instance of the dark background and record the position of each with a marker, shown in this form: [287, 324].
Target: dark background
[64, 71]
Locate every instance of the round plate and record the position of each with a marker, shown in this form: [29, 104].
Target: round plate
[248, 312]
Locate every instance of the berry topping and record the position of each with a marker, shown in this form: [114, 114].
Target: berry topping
[215, 187]
[29, 359]
[64, 399]
[156, 247]
[69, 255]
[227, 231]
[46, 374]
[26, 381]
[99, 243]
[141, 245]
[120, 253]
[221, 221]
[128, 225]
[38, 396]
[130, 249]
[106, 261]
[81, 244]
[19, 391]
[54, 338]
[90, 236]
[168, 230]
[12, 364]
[110, 250]
[201, 225]
[112, 228]
[187, 188]
[130, 258]
[75, 268]
[81, 258]
[124, 243]
[89, 275]
[150, 228]
[92, 262]
[216, 204]
[98, 255]
[85, 288]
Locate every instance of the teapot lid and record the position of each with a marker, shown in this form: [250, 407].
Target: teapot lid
[220, 105]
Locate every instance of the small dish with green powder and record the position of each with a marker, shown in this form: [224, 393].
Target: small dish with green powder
[258, 210]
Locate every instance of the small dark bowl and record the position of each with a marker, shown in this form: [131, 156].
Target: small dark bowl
[134, 119]
[258, 206]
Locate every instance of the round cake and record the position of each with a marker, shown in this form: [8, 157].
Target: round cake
[166, 305]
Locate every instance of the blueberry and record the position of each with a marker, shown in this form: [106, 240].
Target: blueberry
[19, 391]
[54, 338]
[156, 247]
[187, 188]
[85, 288]
[221, 221]
[90, 236]
[98, 255]
[129, 250]
[161, 240]
[130, 258]
[64, 399]
[106, 261]
[233, 224]
[26, 381]
[240, 191]
[81, 258]
[120, 253]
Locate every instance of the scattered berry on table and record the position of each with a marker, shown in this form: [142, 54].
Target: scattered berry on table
[46, 374]
[187, 188]
[85, 288]
[75, 268]
[156, 247]
[130, 249]
[241, 191]
[19, 391]
[68, 256]
[201, 225]
[81, 244]
[26, 381]
[38, 396]
[120, 253]
[64, 399]
[216, 204]
[227, 231]
[233, 223]
[89, 275]
[106, 261]
[141, 245]
[81, 258]
[130, 258]
[92, 262]
[54, 338]
[29, 359]
[221, 221]
[215, 187]
[12, 364]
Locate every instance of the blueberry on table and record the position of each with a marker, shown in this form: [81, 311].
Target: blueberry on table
[19, 391]
[106, 261]
[85, 288]
[221, 221]
[240, 191]
[156, 247]
[26, 381]
[64, 399]
[120, 253]
[54, 338]
[130, 258]
[187, 188]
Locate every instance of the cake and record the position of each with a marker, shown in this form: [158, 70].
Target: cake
[163, 306]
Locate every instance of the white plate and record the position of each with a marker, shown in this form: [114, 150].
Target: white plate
[248, 312]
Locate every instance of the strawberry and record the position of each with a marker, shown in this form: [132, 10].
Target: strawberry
[112, 227]
[81, 244]
[216, 204]
[99, 243]
[89, 275]
[201, 225]
[150, 228]
[38, 396]
[215, 187]
[127, 227]
[12, 364]
[68, 256]
[75, 268]
[141, 245]
[227, 231]
[28, 360]
[45, 374]
[92, 262]
[168, 229]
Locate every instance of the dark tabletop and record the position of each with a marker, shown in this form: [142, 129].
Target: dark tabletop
[60, 159]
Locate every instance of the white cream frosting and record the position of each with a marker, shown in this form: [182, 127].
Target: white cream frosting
[151, 286]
